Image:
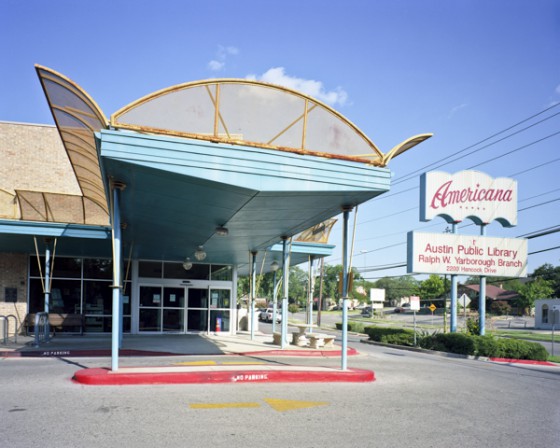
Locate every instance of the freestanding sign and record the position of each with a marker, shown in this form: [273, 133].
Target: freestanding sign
[468, 195]
[447, 253]
[377, 296]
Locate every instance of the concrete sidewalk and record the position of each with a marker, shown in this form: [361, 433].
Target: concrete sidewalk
[147, 347]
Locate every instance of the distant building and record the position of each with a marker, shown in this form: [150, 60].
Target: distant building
[547, 313]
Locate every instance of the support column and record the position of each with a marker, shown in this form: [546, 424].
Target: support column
[453, 323]
[285, 288]
[274, 297]
[310, 295]
[47, 285]
[344, 356]
[117, 187]
[253, 292]
[482, 295]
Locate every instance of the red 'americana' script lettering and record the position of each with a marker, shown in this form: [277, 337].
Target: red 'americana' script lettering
[445, 195]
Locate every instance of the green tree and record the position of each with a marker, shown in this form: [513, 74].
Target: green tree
[528, 293]
[397, 287]
[551, 274]
[432, 288]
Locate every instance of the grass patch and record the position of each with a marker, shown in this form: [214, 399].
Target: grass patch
[554, 359]
[526, 335]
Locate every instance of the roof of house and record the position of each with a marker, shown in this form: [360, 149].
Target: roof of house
[494, 292]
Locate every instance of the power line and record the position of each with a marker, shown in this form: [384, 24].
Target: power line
[410, 175]
[516, 149]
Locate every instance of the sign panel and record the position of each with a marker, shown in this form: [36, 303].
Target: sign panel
[468, 194]
[414, 303]
[448, 253]
[377, 294]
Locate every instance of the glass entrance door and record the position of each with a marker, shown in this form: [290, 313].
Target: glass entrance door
[179, 309]
[162, 309]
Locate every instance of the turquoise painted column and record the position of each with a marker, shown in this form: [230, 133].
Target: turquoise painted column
[310, 295]
[285, 285]
[47, 286]
[453, 323]
[274, 268]
[253, 292]
[344, 356]
[482, 295]
[117, 287]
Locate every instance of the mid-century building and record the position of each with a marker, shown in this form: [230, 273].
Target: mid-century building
[170, 199]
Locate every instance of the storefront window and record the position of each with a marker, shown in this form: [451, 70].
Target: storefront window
[90, 295]
[98, 268]
[62, 267]
[150, 269]
[197, 272]
[221, 272]
[64, 298]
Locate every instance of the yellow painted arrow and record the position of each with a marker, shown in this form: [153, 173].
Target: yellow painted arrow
[275, 403]
[289, 405]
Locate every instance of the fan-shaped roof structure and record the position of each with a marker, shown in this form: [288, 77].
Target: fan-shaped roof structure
[252, 113]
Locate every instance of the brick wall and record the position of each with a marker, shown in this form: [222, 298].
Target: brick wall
[13, 274]
[33, 158]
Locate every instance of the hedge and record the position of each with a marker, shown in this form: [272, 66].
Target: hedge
[390, 335]
[461, 343]
[356, 327]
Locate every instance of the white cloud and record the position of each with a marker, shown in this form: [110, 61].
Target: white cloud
[315, 89]
[456, 109]
[215, 65]
[222, 55]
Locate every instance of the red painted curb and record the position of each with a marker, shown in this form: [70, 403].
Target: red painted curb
[104, 377]
[524, 361]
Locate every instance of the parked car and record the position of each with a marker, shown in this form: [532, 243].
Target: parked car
[367, 311]
[402, 309]
[266, 315]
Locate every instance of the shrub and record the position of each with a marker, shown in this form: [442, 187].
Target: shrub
[473, 326]
[517, 349]
[462, 344]
[451, 342]
[487, 346]
[390, 335]
[500, 308]
[356, 327]
[404, 338]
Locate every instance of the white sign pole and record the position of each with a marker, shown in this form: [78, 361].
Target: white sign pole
[414, 306]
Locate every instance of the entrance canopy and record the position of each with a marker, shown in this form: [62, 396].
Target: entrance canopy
[233, 166]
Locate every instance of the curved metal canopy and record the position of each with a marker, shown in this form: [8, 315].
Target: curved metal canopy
[252, 113]
[77, 118]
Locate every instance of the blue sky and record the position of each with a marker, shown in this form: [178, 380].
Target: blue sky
[464, 70]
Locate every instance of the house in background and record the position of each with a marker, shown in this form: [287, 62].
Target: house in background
[493, 294]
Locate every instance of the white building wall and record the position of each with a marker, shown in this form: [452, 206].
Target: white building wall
[547, 314]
